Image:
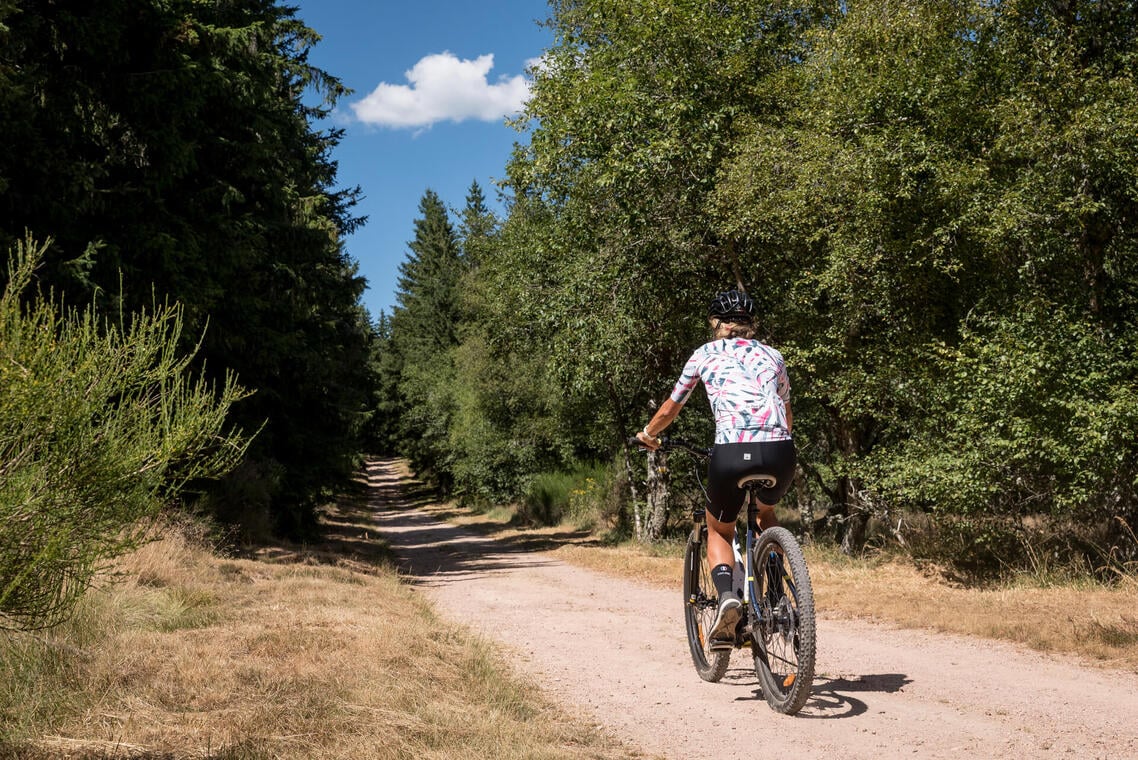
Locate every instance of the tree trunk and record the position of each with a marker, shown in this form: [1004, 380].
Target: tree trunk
[632, 495]
[853, 540]
[621, 436]
[659, 495]
[856, 518]
[805, 505]
[733, 261]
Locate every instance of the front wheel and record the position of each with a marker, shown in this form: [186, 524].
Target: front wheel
[784, 633]
[701, 603]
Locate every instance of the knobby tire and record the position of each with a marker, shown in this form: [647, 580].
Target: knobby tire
[700, 607]
[785, 634]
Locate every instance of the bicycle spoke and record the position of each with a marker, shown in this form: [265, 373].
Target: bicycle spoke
[793, 664]
[784, 661]
[700, 608]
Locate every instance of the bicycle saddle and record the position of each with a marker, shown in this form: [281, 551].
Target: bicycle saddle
[759, 479]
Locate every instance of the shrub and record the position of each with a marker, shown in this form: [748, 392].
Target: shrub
[1031, 422]
[101, 424]
[547, 498]
[586, 496]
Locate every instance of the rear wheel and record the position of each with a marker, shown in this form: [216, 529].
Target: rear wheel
[784, 635]
[700, 607]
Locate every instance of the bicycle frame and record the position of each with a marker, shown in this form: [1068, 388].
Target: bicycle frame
[751, 532]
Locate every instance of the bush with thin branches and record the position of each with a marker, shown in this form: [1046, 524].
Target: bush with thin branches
[102, 423]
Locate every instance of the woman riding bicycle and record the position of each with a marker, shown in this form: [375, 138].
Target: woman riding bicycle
[747, 385]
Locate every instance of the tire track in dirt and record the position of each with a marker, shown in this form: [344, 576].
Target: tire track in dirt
[616, 651]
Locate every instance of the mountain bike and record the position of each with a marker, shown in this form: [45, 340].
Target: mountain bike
[778, 601]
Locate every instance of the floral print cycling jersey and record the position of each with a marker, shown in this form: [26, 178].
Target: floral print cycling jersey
[747, 386]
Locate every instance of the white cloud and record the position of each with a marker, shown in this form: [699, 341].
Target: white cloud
[443, 87]
[537, 64]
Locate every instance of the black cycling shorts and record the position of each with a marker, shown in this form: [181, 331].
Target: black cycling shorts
[732, 461]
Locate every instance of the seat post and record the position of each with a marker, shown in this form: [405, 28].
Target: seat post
[752, 511]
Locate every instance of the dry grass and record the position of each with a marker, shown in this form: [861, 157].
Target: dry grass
[306, 656]
[1081, 618]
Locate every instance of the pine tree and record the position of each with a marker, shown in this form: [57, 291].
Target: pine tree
[169, 152]
[424, 332]
[478, 226]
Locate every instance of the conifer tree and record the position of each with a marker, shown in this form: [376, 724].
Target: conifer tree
[423, 334]
[477, 226]
[167, 147]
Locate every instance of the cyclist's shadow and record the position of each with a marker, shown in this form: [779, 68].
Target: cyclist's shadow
[832, 698]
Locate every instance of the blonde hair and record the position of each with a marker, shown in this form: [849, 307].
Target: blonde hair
[724, 329]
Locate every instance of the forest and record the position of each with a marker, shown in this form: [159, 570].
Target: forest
[932, 203]
[168, 201]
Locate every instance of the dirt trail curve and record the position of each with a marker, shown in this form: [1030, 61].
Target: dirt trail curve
[618, 653]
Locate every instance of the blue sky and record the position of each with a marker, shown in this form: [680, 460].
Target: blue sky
[433, 81]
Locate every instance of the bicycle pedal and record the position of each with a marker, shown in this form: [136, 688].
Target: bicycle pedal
[720, 645]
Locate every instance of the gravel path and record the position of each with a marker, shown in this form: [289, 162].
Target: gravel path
[616, 651]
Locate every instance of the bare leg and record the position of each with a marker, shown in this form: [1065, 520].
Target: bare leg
[767, 517]
[719, 537]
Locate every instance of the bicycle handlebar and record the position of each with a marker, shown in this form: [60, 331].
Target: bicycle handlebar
[668, 444]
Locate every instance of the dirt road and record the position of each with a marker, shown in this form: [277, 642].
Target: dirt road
[617, 651]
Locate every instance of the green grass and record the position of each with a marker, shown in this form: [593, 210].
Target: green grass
[580, 497]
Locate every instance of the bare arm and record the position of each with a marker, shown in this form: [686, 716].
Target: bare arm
[649, 436]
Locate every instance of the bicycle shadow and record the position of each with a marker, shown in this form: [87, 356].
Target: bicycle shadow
[832, 698]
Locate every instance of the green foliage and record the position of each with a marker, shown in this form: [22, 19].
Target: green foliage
[582, 495]
[171, 144]
[1034, 415]
[505, 421]
[547, 497]
[855, 207]
[101, 424]
[932, 204]
[423, 334]
[632, 112]
[929, 195]
[381, 431]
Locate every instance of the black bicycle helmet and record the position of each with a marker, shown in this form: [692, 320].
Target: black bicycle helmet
[732, 306]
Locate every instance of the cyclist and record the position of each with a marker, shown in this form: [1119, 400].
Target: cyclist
[749, 391]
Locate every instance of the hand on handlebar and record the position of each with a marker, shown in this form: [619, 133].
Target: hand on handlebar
[649, 443]
[666, 443]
